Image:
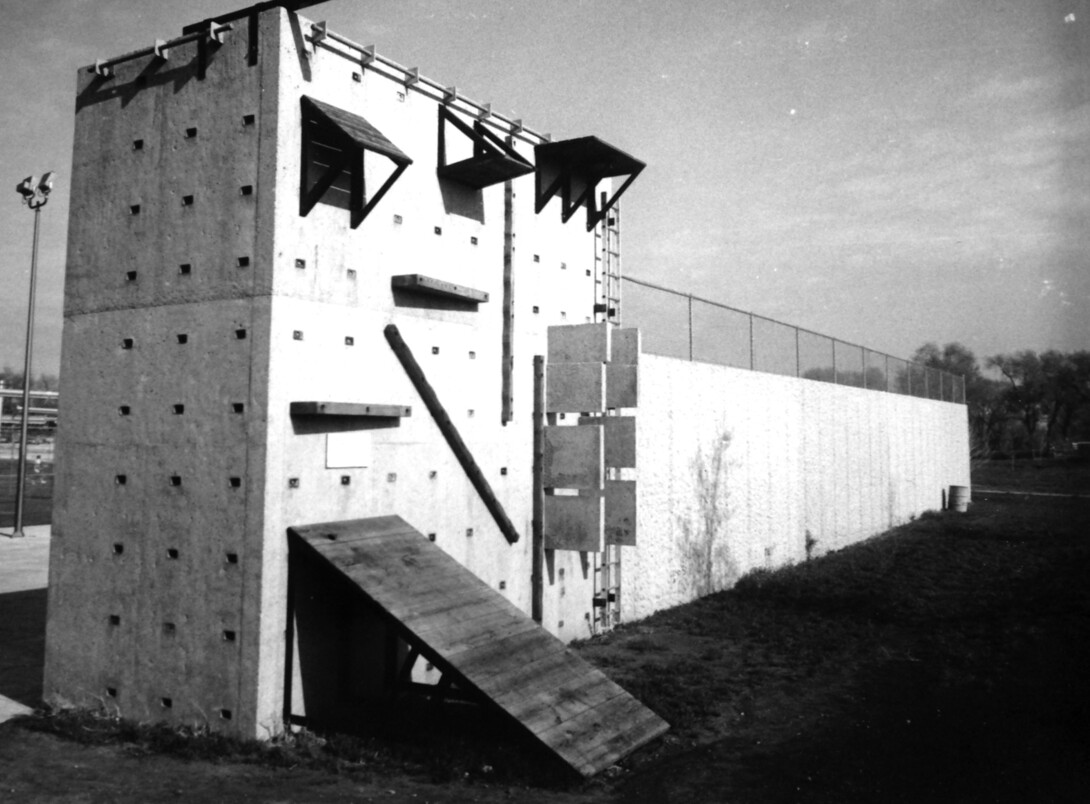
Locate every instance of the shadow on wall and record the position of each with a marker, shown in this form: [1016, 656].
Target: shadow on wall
[707, 563]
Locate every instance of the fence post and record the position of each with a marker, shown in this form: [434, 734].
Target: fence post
[751, 364]
[863, 355]
[690, 327]
[836, 377]
[887, 373]
[798, 359]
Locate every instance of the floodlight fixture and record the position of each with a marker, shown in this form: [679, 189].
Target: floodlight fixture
[35, 191]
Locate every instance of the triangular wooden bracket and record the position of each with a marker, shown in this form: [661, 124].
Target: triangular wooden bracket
[342, 137]
[572, 169]
[493, 160]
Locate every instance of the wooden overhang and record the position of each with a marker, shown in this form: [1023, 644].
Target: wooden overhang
[573, 169]
[492, 162]
[334, 142]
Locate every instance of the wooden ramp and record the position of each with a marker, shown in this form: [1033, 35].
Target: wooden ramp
[484, 643]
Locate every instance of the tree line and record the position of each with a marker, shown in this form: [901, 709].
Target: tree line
[1037, 405]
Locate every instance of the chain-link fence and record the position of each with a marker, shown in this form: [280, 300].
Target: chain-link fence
[677, 324]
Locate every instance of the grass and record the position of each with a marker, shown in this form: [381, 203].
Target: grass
[1064, 475]
[942, 661]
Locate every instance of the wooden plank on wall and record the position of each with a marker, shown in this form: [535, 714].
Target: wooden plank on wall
[507, 359]
[575, 387]
[579, 343]
[573, 523]
[620, 441]
[625, 346]
[620, 512]
[537, 548]
[622, 385]
[572, 458]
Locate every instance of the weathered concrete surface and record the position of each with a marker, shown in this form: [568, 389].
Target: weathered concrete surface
[159, 457]
[169, 584]
[192, 326]
[741, 470]
[332, 283]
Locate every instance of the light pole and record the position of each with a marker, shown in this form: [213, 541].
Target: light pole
[35, 195]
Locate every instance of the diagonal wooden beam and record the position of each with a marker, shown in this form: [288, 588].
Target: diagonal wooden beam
[450, 433]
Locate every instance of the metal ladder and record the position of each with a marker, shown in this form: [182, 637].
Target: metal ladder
[607, 307]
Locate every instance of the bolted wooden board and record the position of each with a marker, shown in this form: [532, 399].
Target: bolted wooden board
[620, 442]
[579, 343]
[619, 439]
[573, 458]
[622, 385]
[625, 346]
[620, 512]
[573, 523]
[575, 387]
[429, 286]
[351, 409]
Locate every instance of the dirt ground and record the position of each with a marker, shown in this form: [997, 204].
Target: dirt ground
[944, 661]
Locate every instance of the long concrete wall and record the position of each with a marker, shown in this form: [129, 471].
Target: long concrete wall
[741, 470]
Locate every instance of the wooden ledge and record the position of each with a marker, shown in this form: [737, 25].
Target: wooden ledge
[418, 283]
[356, 409]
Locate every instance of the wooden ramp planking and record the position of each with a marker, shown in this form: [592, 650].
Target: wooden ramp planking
[485, 642]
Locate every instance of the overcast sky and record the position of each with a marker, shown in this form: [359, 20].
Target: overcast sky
[885, 172]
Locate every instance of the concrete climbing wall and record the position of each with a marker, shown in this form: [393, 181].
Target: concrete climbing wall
[157, 521]
[332, 286]
[200, 304]
[741, 470]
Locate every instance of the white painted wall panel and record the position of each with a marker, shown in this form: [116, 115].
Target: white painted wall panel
[738, 469]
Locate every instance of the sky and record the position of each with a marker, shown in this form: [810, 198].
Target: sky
[888, 172]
